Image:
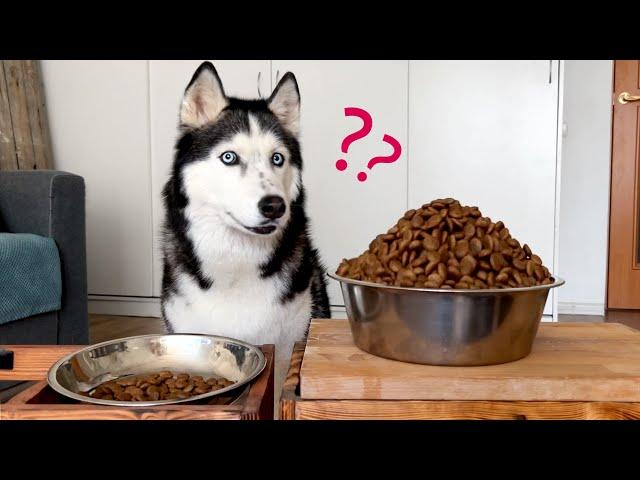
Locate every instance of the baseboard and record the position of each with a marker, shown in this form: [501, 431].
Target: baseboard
[150, 306]
[125, 306]
[338, 311]
[581, 308]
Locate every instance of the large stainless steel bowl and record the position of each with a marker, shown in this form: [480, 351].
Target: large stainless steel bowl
[444, 327]
[204, 355]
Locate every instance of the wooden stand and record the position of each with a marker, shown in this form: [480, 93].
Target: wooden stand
[576, 371]
[39, 401]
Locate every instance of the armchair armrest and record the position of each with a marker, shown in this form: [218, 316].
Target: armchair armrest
[52, 204]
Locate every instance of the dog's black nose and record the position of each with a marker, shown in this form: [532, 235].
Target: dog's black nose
[272, 206]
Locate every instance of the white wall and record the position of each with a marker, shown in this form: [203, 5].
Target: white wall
[98, 115]
[584, 193]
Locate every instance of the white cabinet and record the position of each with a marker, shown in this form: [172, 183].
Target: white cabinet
[346, 214]
[168, 80]
[484, 132]
[98, 114]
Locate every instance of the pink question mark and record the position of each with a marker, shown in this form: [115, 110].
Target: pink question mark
[397, 150]
[367, 123]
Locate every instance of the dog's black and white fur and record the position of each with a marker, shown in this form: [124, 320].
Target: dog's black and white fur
[238, 260]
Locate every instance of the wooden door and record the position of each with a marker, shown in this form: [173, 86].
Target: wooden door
[623, 289]
[484, 132]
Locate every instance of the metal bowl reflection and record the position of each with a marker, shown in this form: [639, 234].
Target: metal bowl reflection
[444, 327]
[204, 355]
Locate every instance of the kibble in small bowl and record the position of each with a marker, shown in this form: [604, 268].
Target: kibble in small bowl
[446, 285]
[163, 385]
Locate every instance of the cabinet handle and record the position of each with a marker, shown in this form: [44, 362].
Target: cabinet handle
[259, 93]
[626, 97]
[6, 359]
[550, 69]
[277, 76]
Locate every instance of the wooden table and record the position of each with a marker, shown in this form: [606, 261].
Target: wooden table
[39, 401]
[575, 371]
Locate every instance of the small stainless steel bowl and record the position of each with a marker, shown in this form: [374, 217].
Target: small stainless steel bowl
[194, 354]
[442, 326]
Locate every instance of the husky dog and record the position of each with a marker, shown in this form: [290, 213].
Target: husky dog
[238, 260]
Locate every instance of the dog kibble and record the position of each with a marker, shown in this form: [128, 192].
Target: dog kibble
[446, 245]
[158, 386]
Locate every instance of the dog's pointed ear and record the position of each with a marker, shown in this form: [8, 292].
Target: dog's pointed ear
[204, 98]
[284, 102]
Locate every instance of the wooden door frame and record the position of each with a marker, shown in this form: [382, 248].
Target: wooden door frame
[613, 94]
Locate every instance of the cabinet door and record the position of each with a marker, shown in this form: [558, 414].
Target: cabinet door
[346, 214]
[98, 113]
[484, 132]
[168, 80]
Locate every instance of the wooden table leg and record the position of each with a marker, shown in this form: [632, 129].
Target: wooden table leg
[290, 388]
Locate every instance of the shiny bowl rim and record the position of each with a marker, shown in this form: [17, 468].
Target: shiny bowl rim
[557, 283]
[53, 383]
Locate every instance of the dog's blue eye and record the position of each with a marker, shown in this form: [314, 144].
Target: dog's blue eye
[229, 158]
[277, 159]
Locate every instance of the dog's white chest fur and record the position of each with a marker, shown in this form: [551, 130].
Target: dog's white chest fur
[239, 306]
[240, 303]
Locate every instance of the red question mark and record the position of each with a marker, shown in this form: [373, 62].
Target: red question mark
[397, 150]
[367, 123]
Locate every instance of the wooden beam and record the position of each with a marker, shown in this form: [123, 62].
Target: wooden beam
[8, 159]
[38, 121]
[19, 113]
[25, 142]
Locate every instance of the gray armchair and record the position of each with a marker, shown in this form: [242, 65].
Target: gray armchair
[51, 204]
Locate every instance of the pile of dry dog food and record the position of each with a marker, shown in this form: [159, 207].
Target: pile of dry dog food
[158, 386]
[446, 245]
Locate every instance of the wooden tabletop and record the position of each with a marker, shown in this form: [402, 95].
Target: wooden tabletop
[569, 362]
[32, 362]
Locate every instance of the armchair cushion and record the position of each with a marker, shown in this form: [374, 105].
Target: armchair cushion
[30, 276]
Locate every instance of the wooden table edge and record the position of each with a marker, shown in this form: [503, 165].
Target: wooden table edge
[25, 369]
[290, 389]
[293, 407]
[259, 403]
